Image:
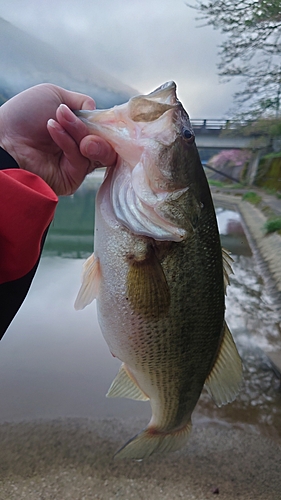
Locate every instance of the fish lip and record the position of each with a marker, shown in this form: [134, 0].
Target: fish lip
[169, 87]
[169, 84]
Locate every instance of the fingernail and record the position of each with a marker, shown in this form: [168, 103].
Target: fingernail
[93, 149]
[52, 123]
[67, 114]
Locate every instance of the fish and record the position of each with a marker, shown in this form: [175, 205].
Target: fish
[158, 272]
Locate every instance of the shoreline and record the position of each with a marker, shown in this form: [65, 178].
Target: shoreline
[266, 248]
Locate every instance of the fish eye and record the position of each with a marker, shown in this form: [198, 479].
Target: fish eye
[187, 134]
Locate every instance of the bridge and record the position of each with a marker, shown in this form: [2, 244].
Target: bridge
[210, 140]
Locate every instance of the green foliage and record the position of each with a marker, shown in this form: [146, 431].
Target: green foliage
[270, 156]
[265, 11]
[270, 127]
[273, 224]
[269, 172]
[215, 183]
[252, 197]
[271, 191]
[236, 185]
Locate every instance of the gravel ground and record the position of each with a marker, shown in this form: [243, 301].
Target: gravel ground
[73, 459]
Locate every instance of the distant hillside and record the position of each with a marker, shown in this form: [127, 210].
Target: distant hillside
[27, 61]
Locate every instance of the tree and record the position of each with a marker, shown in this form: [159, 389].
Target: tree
[251, 49]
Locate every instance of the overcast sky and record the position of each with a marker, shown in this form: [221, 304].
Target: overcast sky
[143, 43]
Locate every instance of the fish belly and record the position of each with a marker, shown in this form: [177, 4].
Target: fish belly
[168, 357]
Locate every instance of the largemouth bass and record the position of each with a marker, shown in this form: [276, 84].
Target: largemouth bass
[158, 271]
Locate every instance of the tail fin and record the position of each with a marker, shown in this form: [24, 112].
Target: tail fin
[151, 441]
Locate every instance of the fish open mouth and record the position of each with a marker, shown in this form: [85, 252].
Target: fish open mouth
[141, 108]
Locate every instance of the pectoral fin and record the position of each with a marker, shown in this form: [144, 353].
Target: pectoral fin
[125, 386]
[147, 288]
[225, 379]
[90, 283]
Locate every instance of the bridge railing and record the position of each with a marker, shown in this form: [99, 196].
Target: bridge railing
[209, 124]
[218, 124]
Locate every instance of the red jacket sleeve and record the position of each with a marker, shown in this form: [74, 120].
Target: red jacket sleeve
[27, 206]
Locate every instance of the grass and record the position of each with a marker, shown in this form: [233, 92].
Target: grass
[273, 224]
[216, 183]
[227, 185]
[252, 197]
[272, 192]
[272, 155]
[237, 185]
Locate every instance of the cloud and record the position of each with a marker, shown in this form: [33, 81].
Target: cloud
[141, 42]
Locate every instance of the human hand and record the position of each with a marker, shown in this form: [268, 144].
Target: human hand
[41, 133]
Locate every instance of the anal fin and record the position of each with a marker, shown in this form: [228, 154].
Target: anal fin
[225, 379]
[125, 386]
[90, 283]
